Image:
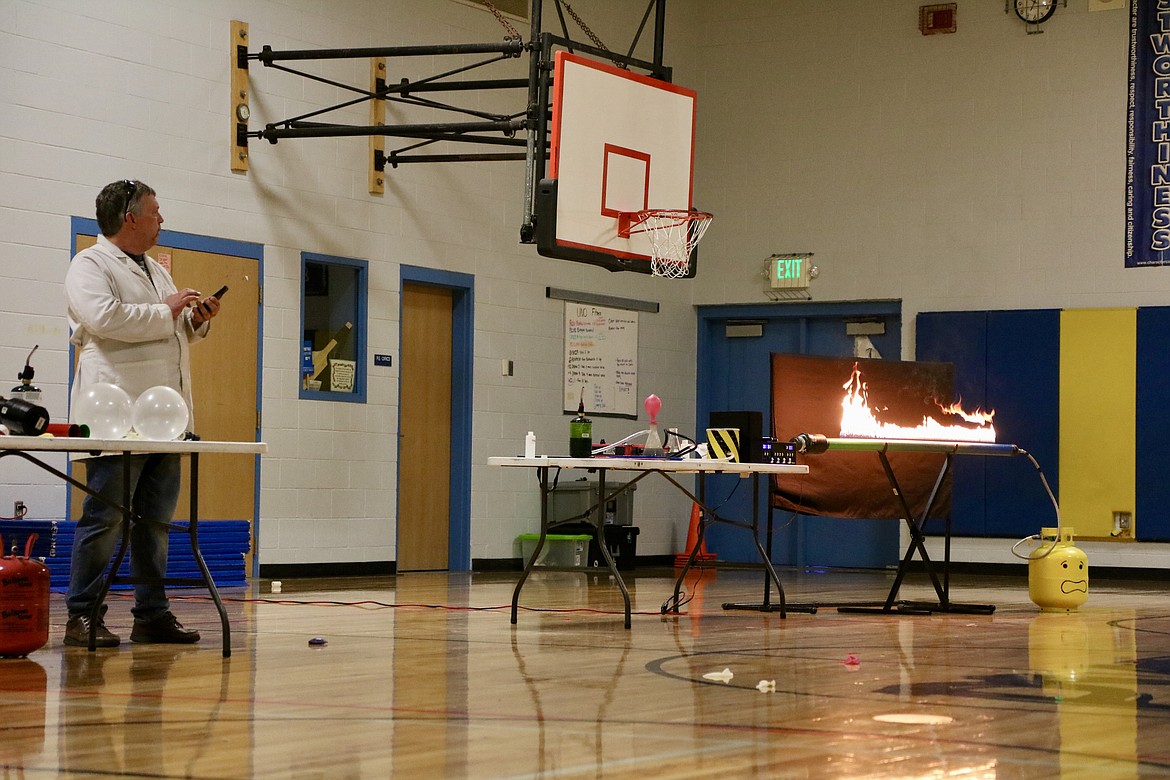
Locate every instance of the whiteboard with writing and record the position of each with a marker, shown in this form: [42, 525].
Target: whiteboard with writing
[601, 359]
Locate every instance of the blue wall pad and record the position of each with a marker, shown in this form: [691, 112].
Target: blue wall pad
[1008, 361]
[960, 338]
[1151, 517]
[224, 544]
[1023, 386]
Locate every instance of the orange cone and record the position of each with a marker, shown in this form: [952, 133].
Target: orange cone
[692, 540]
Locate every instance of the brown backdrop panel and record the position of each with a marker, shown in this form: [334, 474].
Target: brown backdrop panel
[806, 398]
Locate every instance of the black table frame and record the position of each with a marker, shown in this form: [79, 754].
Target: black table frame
[115, 447]
[596, 513]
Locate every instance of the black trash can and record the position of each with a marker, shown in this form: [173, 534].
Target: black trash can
[622, 541]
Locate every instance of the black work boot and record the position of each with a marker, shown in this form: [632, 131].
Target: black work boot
[77, 632]
[163, 630]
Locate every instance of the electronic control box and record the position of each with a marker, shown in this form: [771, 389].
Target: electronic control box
[773, 451]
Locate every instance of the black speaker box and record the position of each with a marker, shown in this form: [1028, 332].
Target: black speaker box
[751, 425]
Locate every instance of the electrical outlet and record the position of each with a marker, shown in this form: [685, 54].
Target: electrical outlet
[18, 509]
[1122, 521]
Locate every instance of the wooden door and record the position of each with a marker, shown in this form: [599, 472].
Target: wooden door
[224, 375]
[224, 370]
[424, 428]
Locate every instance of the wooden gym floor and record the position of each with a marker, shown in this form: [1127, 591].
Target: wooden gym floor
[423, 676]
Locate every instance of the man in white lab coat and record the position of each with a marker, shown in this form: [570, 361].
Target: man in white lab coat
[131, 327]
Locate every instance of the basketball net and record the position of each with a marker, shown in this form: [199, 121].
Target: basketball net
[673, 235]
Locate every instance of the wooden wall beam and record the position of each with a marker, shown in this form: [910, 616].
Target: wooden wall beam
[377, 117]
[238, 108]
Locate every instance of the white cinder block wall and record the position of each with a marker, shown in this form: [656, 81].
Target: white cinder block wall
[91, 92]
[980, 170]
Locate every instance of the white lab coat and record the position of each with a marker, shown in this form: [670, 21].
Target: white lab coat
[122, 327]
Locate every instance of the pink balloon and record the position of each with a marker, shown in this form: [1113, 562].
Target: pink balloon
[653, 406]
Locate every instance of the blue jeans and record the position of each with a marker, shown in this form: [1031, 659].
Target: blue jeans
[154, 491]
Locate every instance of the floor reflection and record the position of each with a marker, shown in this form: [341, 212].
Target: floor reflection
[424, 675]
[24, 683]
[127, 711]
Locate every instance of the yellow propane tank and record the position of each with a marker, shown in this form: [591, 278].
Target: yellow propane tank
[1058, 572]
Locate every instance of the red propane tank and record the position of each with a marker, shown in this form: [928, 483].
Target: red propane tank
[24, 603]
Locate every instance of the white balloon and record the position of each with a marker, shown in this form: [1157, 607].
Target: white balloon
[105, 408]
[161, 414]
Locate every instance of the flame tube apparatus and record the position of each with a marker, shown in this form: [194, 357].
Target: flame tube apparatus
[815, 443]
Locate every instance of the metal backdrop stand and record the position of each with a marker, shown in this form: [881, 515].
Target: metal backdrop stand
[915, 523]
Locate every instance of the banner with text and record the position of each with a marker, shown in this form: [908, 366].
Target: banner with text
[1147, 197]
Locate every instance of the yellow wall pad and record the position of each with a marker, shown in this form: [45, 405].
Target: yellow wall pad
[1098, 381]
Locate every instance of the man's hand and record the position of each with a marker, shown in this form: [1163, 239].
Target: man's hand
[204, 311]
[181, 300]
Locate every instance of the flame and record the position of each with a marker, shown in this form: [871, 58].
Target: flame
[859, 420]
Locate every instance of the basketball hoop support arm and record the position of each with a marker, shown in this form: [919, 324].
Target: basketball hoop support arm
[536, 150]
[447, 131]
[532, 120]
[268, 56]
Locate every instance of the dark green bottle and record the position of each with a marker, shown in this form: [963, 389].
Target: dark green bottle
[581, 433]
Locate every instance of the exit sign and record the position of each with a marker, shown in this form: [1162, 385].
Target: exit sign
[789, 272]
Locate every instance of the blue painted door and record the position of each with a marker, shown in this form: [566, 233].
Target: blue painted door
[734, 373]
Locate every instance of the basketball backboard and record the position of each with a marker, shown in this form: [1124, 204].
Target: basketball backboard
[619, 142]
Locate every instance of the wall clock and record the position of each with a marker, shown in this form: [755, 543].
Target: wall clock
[1035, 11]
